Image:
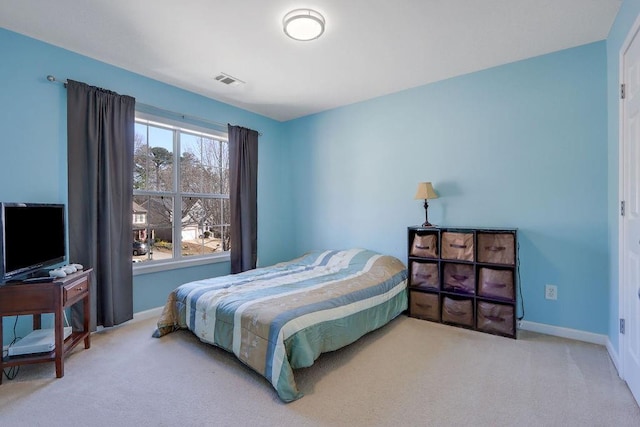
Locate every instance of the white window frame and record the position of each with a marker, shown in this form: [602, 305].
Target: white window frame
[177, 261]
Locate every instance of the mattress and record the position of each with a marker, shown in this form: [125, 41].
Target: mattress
[280, 318]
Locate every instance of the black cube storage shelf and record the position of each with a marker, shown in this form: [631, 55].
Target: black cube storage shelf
[465, 277]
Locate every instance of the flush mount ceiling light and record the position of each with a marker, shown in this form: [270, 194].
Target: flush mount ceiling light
[303, 24]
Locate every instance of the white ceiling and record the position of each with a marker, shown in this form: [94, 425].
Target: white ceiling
[369, 48]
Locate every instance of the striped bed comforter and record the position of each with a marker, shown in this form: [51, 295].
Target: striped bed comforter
[280, 318]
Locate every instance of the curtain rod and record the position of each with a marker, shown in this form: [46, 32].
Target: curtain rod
[53, 79]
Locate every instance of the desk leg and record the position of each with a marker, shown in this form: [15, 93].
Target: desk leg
[1, 354]
[85, 321]
[59, 337]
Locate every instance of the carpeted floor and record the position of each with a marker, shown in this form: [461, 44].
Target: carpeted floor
[411, 372]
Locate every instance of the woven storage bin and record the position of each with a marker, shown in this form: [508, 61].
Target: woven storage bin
[496, 318]
[459, 278]
[425, 245]
[458, 311]
[457, 246]
[496, 283]
[425, 275]
[497, 248]
[424, 306]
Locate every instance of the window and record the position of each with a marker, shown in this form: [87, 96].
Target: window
[180, 193]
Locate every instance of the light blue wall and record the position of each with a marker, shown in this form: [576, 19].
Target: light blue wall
[521, 145]
[33, 165]
[627, 14]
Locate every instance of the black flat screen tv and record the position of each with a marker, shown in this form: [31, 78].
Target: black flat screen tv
[32, 237]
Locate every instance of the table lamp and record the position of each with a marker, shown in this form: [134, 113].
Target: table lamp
[426, 192]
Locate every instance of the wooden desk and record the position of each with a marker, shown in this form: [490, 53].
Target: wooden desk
[52, 297]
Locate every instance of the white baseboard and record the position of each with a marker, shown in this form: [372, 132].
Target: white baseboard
[613, 354]
[573, 334]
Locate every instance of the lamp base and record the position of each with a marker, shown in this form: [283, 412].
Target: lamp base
[426, 222]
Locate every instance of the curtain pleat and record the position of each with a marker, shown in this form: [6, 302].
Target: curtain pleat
[100, 129]
[243, 180]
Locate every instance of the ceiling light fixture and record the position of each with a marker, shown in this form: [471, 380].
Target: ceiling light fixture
[303, 24]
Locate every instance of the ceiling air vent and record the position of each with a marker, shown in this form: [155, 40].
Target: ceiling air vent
[228, 80]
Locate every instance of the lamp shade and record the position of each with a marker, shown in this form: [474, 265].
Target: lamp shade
[425, 191]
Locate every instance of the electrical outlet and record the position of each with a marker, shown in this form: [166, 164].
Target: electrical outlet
[551, 292]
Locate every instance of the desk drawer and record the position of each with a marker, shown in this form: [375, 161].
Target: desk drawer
[75, 289]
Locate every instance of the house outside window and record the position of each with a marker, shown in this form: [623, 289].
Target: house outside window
[180, 193]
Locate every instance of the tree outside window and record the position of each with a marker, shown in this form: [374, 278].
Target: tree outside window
[194, 184]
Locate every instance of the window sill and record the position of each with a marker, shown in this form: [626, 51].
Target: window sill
[154, 267]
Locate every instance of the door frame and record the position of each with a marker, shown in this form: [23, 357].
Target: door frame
[622, 339]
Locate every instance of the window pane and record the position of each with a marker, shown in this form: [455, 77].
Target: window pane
[153, 158]
[204, 165]
[220, 218]
[203, 171]
[152, 229]
[140, 230]
[203, 229]
[192, 170]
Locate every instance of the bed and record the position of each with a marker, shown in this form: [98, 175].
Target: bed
[280, 318]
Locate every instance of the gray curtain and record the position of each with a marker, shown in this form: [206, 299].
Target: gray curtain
[243, 177]
[100, 131]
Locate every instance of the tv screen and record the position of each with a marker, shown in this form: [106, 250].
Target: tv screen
[33, 236]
